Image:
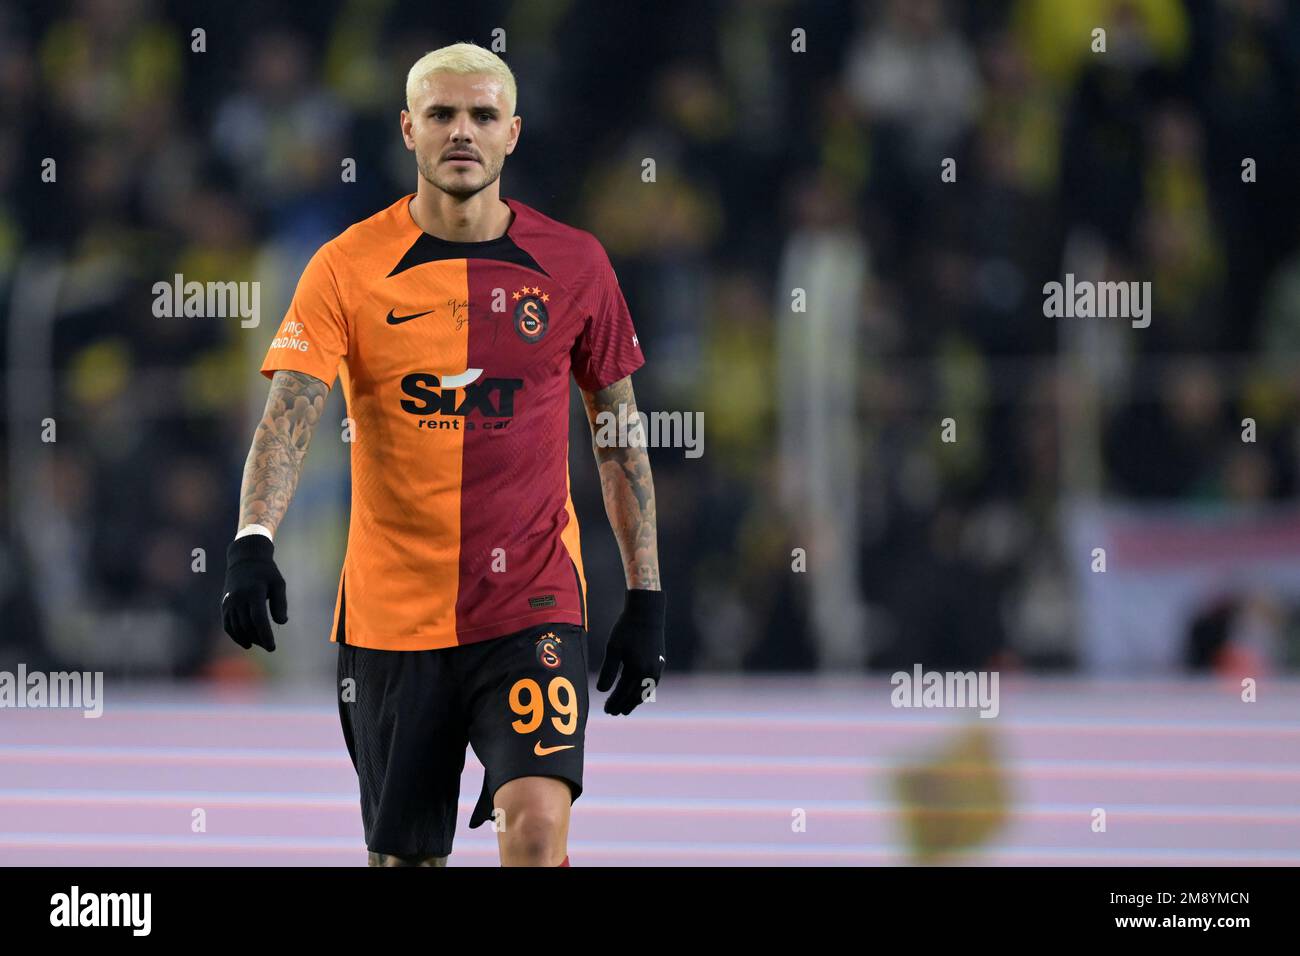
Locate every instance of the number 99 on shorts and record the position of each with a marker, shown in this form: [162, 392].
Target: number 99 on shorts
[527, 701]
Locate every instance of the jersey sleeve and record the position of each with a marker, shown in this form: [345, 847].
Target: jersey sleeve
[607, 349]
[313, 337]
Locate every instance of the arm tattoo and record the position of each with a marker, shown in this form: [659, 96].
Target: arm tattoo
[279, 447]
[627, 486]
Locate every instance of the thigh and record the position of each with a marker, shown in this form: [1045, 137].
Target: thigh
[406, 737]
[527, 709]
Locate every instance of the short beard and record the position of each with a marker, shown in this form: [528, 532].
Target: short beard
[426, 168]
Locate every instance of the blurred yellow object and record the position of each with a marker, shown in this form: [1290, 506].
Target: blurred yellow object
[100, 372]
[1057, 37]
[208, 378]
[956, 799]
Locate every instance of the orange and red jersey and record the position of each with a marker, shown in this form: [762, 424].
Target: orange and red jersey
[455, 360]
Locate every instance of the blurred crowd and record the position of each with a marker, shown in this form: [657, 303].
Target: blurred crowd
[800, 270]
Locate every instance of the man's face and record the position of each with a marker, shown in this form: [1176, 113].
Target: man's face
[460, 132]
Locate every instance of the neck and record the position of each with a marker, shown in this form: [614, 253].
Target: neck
[480, 217]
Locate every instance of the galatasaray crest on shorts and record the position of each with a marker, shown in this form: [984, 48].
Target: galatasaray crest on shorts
[548, 650]
[531, 317]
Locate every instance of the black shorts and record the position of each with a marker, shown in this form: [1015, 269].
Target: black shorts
[519, 700]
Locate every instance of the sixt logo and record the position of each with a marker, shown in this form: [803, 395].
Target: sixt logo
[457, 395]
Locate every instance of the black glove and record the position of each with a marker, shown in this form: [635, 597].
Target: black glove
[637, 642]
[252, 578]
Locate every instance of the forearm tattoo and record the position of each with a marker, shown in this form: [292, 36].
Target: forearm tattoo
[274, 463]
[627, 485]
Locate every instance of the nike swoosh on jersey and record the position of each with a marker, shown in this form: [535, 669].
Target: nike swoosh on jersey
[399, 319]
[543, 751]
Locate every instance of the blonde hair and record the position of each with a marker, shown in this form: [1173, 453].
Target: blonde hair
[462, 59]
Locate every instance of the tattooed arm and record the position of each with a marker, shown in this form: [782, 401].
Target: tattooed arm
[280, 443]
[270, 476]
[626, 484]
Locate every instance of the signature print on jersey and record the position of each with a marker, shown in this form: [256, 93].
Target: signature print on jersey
[531, 316]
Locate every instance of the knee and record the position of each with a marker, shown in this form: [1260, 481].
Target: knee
[533, 836]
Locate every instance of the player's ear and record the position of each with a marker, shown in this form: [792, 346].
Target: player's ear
[516, 124]
[405, 123]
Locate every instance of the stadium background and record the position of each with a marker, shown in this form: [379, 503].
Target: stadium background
[776, 170]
